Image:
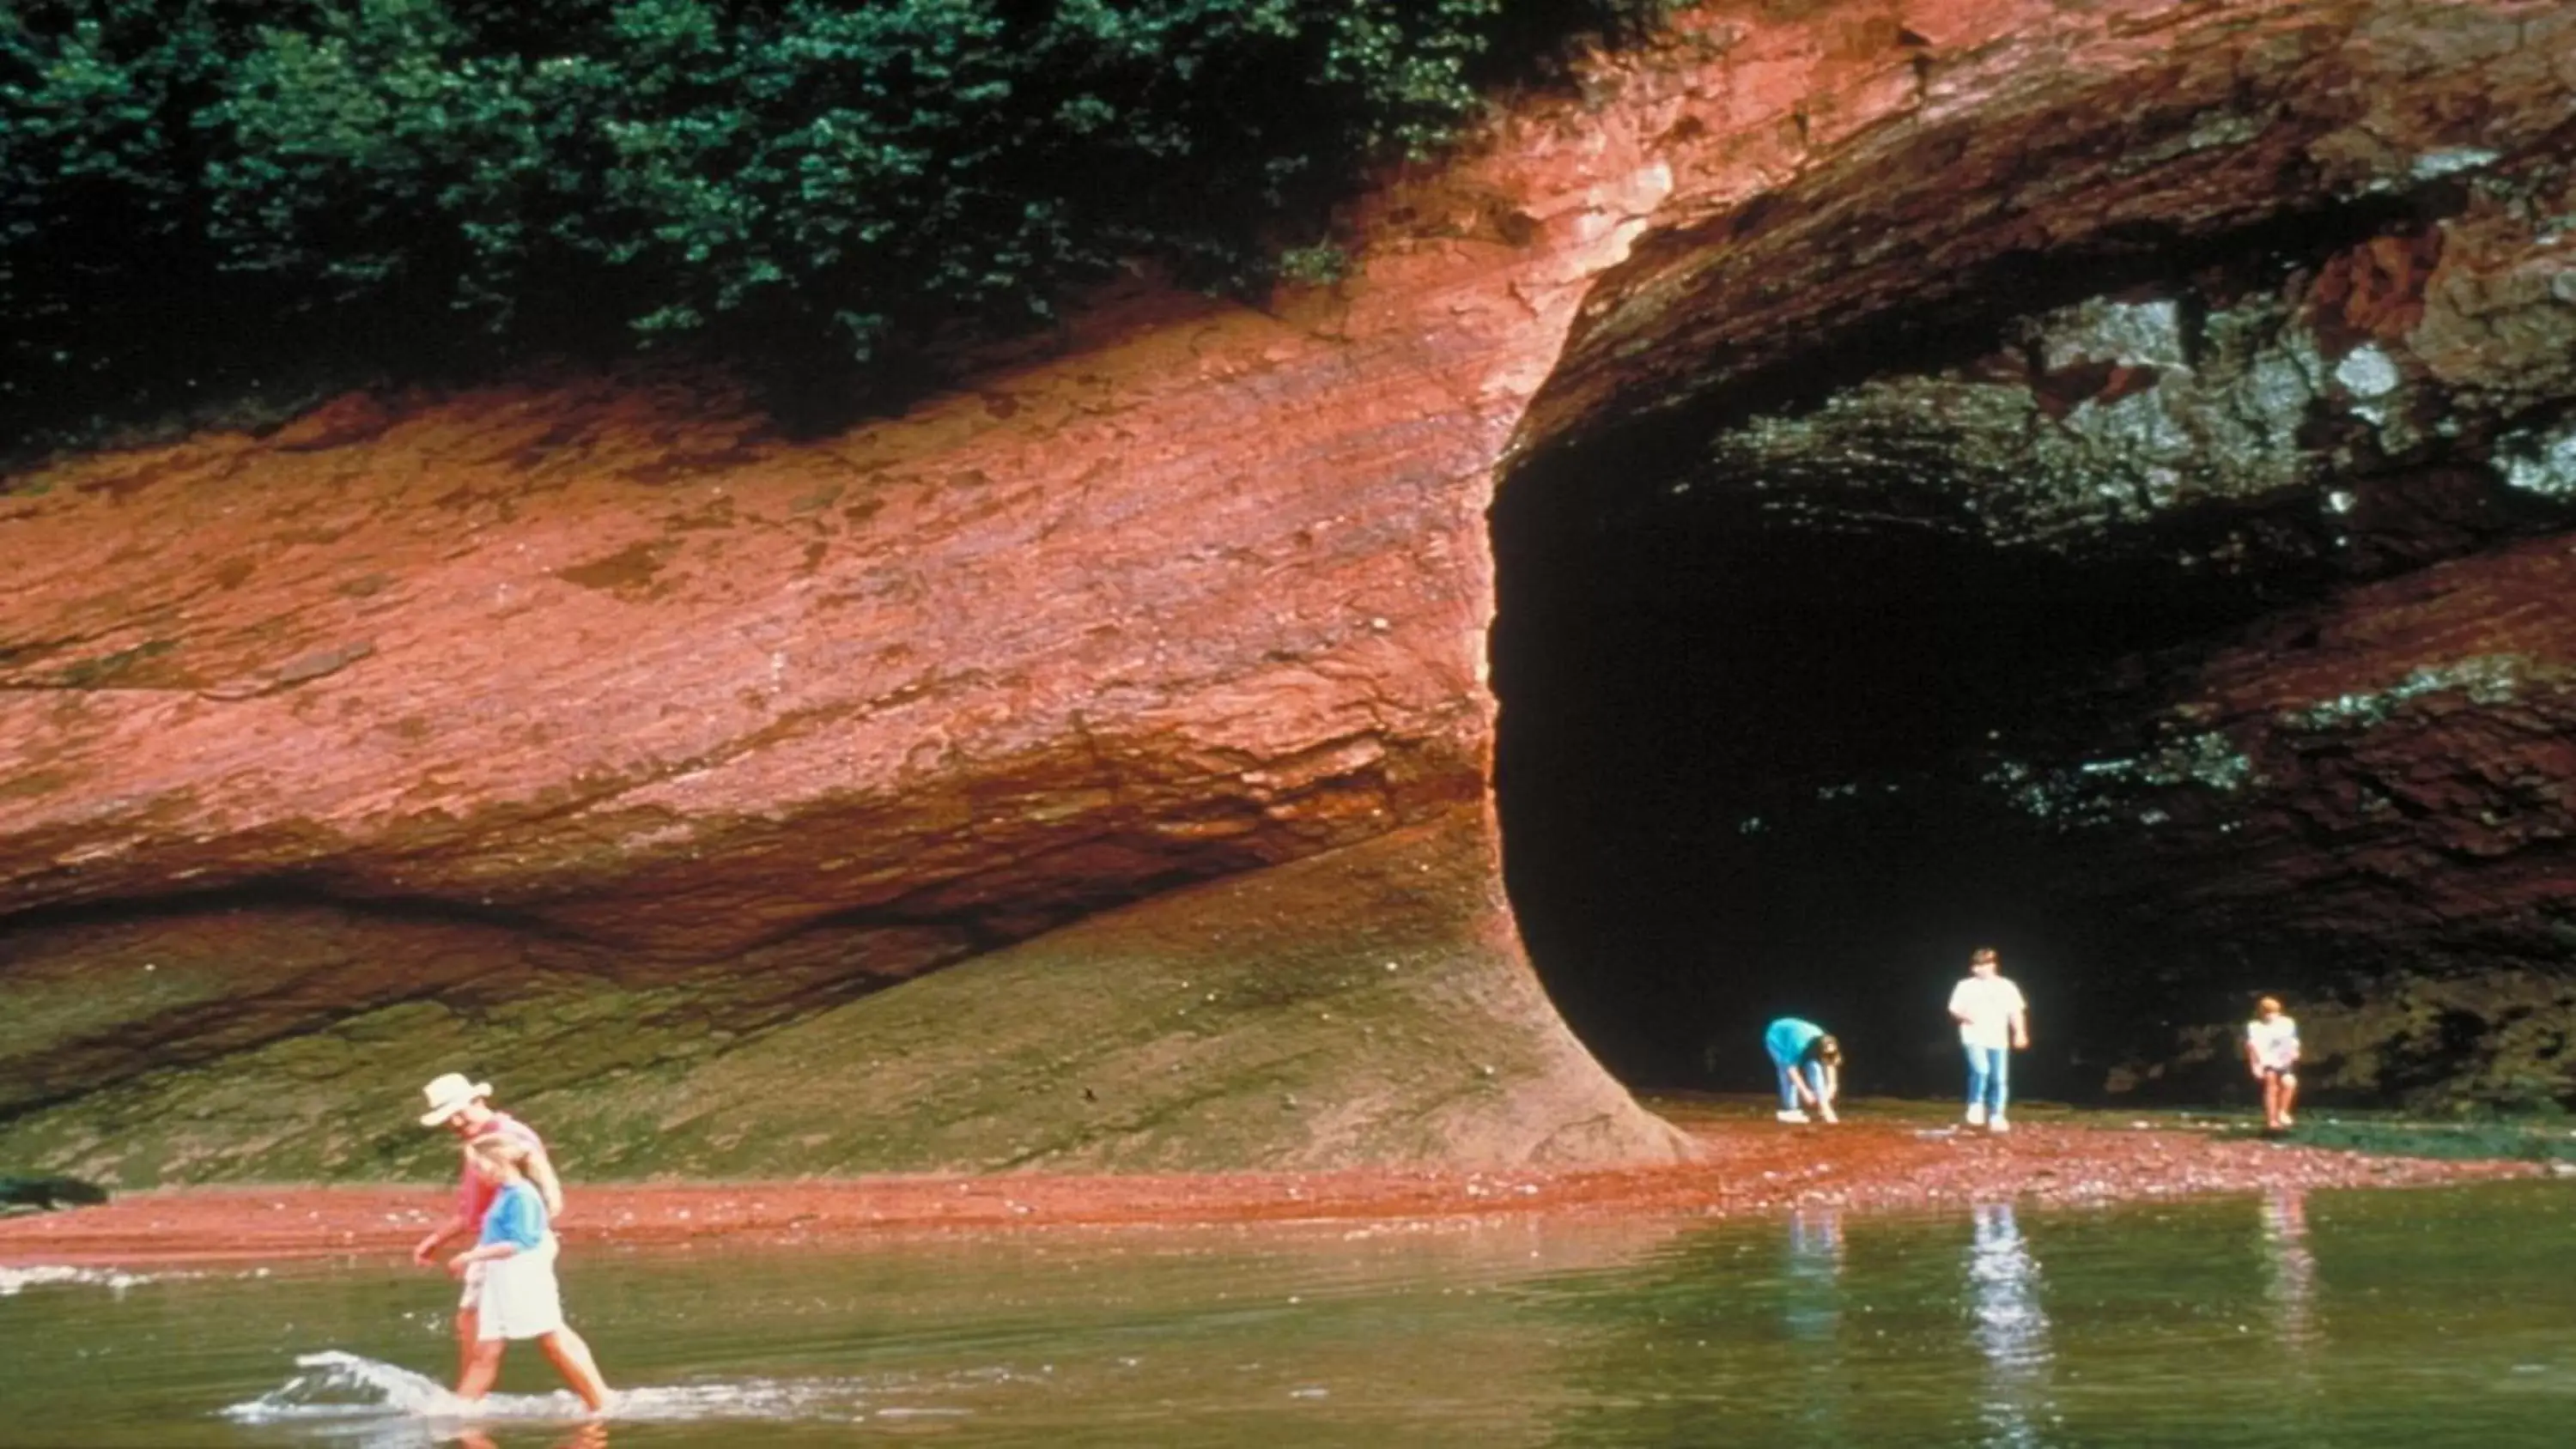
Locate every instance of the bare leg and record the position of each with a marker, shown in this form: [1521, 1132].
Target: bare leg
[2289, 1084]
[469, 1332]
[482, 1366]
[572, 1359]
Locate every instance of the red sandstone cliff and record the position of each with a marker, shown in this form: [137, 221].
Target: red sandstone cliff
[1127, 707]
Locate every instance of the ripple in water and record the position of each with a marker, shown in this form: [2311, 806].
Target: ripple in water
[14, 1281]
[339, 1391]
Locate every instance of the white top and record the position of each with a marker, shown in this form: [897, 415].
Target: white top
[1988, 1003]
[2275, 1042]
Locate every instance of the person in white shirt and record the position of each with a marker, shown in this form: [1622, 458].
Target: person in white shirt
[1994, 1022]
[2272, 1051]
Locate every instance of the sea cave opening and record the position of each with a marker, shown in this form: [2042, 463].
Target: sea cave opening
[2118, 516]
[1744, 770]
[2135, 613]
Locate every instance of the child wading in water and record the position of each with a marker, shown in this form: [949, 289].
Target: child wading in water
[520, 1297]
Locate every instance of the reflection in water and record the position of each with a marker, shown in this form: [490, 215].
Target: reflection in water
[1813, 1305]
[2433, 1318]
[2291, 1290]
[1811, 1311]
[2011, 1328]
[449, 1434]
[592, 1435]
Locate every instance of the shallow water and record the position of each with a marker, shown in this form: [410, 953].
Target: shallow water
[2351, 1319]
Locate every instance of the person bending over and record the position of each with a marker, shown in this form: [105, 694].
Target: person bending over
[1809, 1063]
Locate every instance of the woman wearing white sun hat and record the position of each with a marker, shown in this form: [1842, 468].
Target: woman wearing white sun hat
[462, 1106]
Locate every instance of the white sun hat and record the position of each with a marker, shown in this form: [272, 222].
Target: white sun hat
[448, 1095]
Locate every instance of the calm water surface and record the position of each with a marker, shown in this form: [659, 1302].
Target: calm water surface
[2408, 1319]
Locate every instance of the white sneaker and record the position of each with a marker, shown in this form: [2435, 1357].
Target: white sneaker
[1999, 1125]
[1793, 1115]
[1976, 1114]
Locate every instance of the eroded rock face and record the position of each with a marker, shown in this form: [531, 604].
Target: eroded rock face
[500, 704]
[581, 729]
[693, 781]
[2134, 545]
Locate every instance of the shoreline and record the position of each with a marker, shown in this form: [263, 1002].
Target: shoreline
[1884, 1160]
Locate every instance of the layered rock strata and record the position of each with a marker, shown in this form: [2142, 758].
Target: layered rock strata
[700, 783]
[2157, 573]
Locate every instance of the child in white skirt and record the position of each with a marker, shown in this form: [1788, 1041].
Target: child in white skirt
[2272, 1051]
[520, 1299]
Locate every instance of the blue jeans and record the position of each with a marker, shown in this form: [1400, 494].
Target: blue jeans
[1989, 1073]
[1815, 1073]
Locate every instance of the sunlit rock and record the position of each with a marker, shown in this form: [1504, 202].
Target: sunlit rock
[2087, 477]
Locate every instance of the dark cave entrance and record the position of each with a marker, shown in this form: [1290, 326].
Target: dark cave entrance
[1883, 645]
[1747, 766]
[1677, 686]
[1857, 611]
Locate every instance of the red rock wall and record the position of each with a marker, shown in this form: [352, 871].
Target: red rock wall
[599, 681]
[599, 678]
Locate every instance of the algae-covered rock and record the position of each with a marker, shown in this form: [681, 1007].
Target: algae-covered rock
[1361, 1005]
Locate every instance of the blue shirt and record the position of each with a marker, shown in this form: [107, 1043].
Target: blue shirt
[1788, 1038]
[517, 1216]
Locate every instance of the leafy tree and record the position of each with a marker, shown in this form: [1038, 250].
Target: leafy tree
[196, 194]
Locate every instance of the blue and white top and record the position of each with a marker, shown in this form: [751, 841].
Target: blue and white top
[517, 1217]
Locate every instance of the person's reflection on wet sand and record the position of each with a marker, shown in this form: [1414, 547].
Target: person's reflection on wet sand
[2010, 1329]
[2292, 1271]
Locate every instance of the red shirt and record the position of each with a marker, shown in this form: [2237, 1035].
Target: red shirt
[475, 1193]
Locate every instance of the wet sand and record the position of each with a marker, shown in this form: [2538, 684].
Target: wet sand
[1885, 1159]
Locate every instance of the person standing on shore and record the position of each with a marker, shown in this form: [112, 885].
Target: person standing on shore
[1808, 1062]
[2272, 1051]
[1994, 1022]
[463, 1107]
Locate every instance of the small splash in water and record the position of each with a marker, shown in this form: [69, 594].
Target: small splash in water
[347, 1390]
[337, 1385]
[15, 1280]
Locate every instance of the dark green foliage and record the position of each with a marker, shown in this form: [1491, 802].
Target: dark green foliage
[195, 194]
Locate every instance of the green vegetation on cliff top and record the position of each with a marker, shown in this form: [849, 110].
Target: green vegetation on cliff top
[203, 201]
